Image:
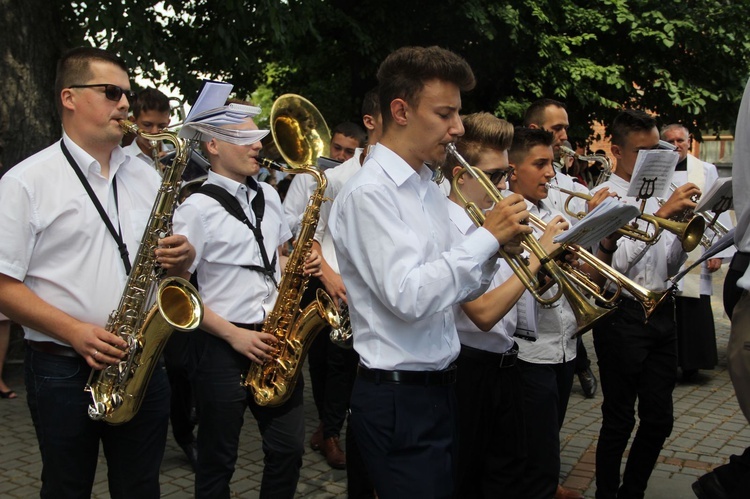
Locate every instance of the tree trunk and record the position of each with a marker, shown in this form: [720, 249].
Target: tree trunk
[31, 41]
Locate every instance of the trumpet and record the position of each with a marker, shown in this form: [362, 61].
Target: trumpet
[586, 313]
[603, 160]
[689, 232]
[714, 225]
[649, 300]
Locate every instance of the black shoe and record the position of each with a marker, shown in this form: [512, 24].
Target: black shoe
[191, 452]
[588, 382]
[709, 487]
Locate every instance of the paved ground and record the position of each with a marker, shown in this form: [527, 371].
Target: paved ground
[709, 427]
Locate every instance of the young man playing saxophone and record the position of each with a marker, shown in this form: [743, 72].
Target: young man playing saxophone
[62, 273]
[236, 269]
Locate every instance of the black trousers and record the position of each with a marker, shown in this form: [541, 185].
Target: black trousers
[696, 334]
[407, 438]
[492, 431]
[222, 402]
[582, 356]
[637, 362]
[546, 389]
[332, 372]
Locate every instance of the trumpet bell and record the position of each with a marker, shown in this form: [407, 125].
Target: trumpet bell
[693, 233]
[299, 130]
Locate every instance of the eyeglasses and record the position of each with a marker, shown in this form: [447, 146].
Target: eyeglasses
[111, 92]
[497, 176]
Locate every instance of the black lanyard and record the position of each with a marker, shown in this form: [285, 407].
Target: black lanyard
[116, 234]
[258, 205]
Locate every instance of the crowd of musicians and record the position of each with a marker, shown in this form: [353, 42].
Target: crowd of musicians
[464, 325]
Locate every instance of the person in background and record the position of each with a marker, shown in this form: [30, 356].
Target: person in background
[150, 112]
[696, 335]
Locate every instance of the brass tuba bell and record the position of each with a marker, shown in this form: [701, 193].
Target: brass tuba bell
[299, 131]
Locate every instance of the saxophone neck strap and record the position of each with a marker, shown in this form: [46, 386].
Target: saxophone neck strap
[258, 205]
[116, 234]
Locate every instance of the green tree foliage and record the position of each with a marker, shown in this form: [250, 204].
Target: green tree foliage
[686, 60]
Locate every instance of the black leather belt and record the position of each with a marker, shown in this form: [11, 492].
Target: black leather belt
[500, 360]
[52, 348]
[444, 377]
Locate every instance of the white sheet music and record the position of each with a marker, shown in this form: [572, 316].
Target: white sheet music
[718, 197]
[213, 94]
[606, 218]
[652, 173]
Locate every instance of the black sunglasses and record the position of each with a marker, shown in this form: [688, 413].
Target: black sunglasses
[497, 176]
[111, 92]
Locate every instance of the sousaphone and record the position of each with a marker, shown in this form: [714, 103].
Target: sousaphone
[299, 131]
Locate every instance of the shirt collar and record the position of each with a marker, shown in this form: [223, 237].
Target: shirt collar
[89, 165]
[395, 167]
[231, 186]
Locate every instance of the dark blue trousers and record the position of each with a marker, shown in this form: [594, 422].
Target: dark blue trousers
[69, 439]
[407, 438]
[222, 402]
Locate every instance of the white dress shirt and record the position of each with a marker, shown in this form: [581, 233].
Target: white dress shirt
[297, 198]
[53, 239]
[555, 324]
[741, 180]
[401, 266]
[557, 199]
[132, 149]
[699, 280]
[649, 266]
[499, 339]
[223, 243]
[337, 177]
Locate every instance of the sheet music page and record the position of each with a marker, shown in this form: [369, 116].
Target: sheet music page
[606, 218]
[652, 173]
[212, 94]
[718, 198]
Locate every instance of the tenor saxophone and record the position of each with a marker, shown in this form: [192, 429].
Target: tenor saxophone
[272, 382]
[117, 391]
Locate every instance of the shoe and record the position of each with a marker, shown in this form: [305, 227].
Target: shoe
[588, 382]
[316, 442]
[563, 493]
[191, 452]
[10, 394]
[335, 457]
[709, 487]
